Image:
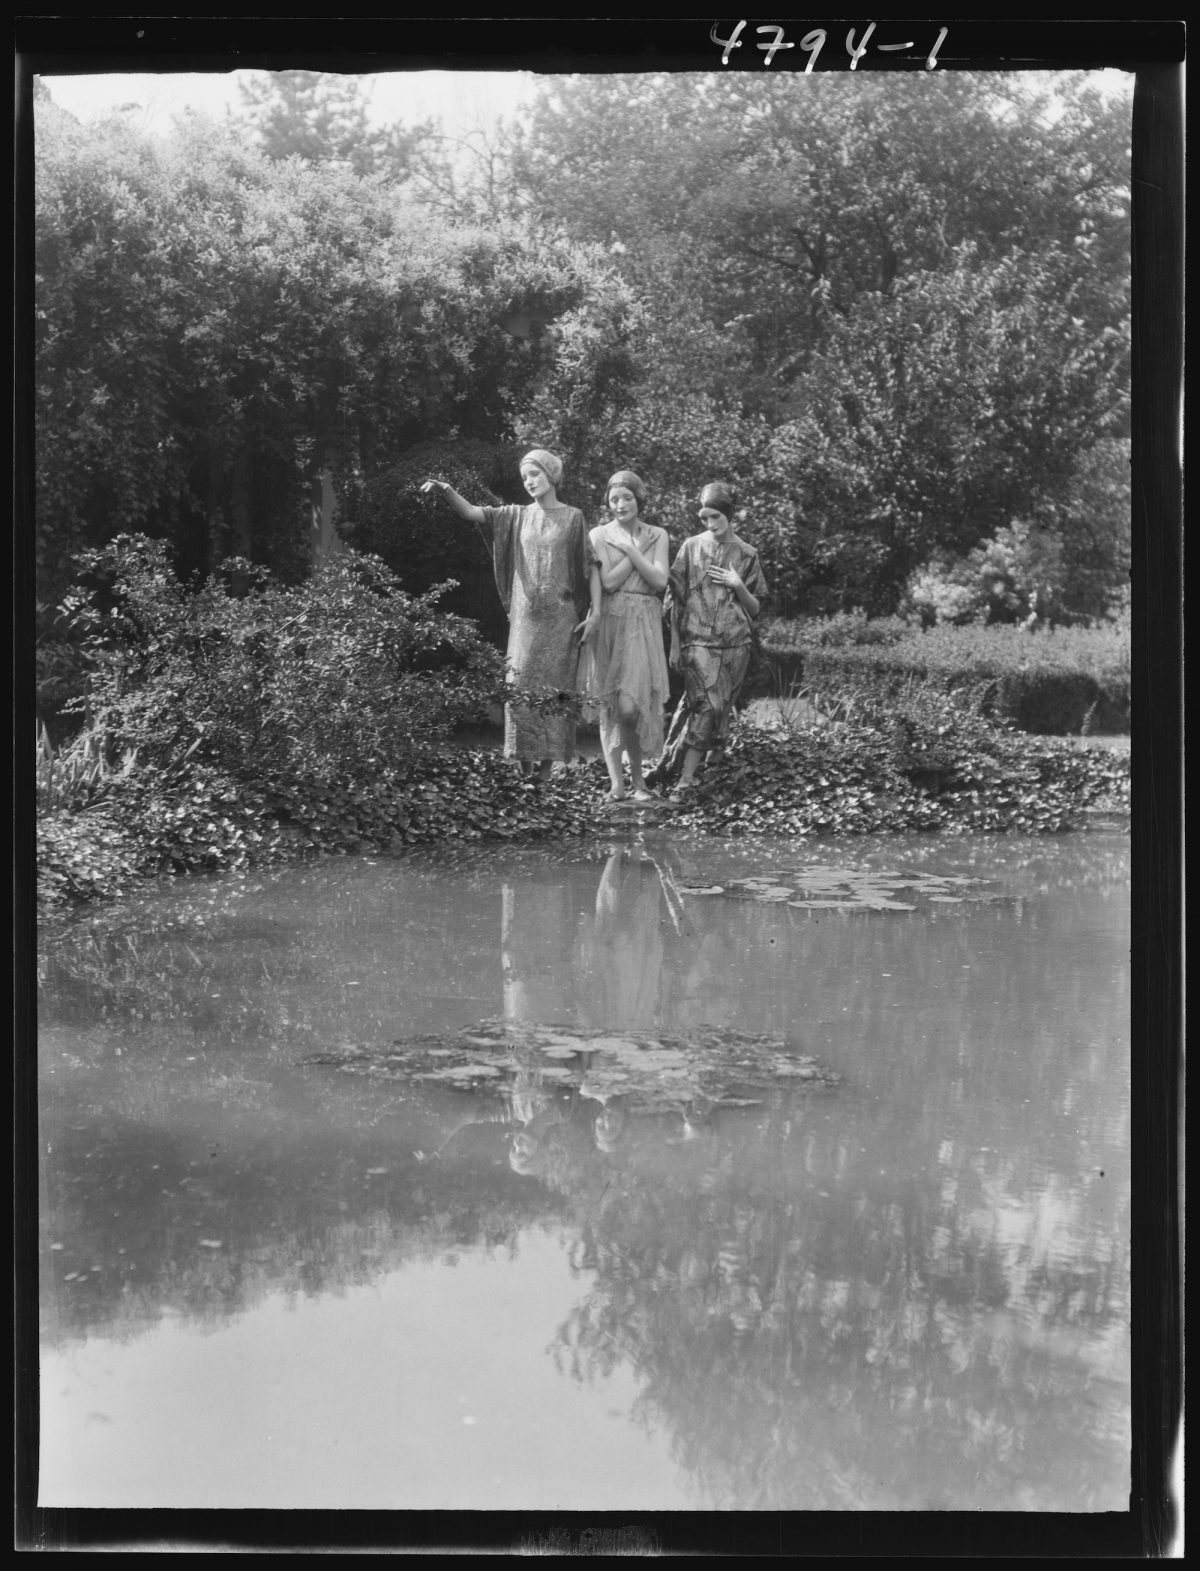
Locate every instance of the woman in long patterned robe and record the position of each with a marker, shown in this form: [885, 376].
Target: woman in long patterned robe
[541, 561]
[715, 591]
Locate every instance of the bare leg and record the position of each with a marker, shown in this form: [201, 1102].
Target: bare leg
[627, 716]
[616, 775]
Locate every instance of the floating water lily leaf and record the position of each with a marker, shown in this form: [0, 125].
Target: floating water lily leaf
[708, 1066]
[825, 888]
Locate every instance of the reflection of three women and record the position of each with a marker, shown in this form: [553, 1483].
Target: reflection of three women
[585, 615]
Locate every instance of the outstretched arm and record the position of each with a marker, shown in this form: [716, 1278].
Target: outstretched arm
[461, 506]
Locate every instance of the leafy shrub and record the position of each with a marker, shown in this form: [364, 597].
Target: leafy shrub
[70, 777]
[941, 592]
[835, 631]
[341, 677]
[1018, 574]
[266, 727]
[58, 672]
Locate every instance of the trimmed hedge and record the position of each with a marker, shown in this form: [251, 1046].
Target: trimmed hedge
[1052, 682]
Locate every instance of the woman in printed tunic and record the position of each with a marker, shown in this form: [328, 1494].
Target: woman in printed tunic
[541, 562]
[715, 591]
[628, 666]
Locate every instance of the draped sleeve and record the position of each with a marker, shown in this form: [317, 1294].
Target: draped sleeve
[677, 582]
[506, 531]
[751, 574]
[580, 563]
[507, 524]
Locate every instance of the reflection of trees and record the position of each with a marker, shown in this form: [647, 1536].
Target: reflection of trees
[206, 1216]
[898, 1296]
[814, 1338]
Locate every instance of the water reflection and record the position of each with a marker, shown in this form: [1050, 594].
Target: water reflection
[613, 944]
[912, 1291]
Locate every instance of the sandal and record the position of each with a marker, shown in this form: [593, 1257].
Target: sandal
[682, 792]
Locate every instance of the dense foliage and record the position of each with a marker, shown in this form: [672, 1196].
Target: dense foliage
[323, 118]
[253, 721]
[215, 327]
[893, 309]
[331, 680]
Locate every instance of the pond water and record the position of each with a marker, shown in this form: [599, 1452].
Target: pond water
[315, 1235]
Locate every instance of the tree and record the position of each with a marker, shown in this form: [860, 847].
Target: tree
[902, 301]
[762, 189]
[214, 327]
[322, 117]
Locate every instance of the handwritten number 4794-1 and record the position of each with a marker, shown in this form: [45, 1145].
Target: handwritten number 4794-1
[812, 43]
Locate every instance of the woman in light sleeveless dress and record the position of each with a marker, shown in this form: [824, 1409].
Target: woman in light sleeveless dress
[628, 666]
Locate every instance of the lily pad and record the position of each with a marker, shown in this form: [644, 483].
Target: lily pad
[709, 1066]
[825, 888]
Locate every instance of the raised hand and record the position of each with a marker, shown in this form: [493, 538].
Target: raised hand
[434, 485]
[724, 575]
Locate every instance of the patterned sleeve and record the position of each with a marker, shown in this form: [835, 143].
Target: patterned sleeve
[504, 523]
[581, 564]
[754, 580]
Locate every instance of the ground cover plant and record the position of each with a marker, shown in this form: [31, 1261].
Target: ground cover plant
[254, 721]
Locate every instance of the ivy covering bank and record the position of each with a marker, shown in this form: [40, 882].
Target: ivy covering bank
[806, 782]
[253, 722]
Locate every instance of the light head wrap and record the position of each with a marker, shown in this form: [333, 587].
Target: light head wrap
[549, 463]
[631, 482]
[719, 497]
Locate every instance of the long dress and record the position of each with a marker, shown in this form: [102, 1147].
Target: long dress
[540, 557]
[628, 655]
[715, 634]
